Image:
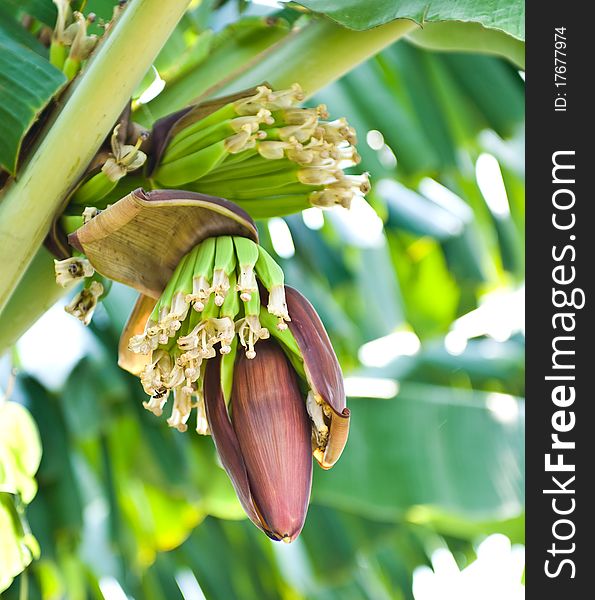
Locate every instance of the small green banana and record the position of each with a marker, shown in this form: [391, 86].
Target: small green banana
[273, 279]
[191, 167]
[93, 190]
[164, 302]
[197, 141]
[221, 114]
[241, 189]
[227, 366]
[231, 305]
[225, 261]
[70, 223]
[202, 275]
[247, 255]
[213, 134]
[268, 271]
[58, 54]
[254, 167]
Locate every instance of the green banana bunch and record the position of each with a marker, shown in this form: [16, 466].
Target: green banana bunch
[257, 149]
[262, 152]
[212, 298]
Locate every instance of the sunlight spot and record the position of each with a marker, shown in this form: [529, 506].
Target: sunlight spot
[313, 218]
[490, 182]
[446, 199]
[111, 589]
[371, 387]
[153, 90]
[387, 157]
[281, 237]
[504, 408]
[375, 139]
[294, 564]
[500, 314]
[455, 343]
[271, 3]
[495, 574]
[189, 585]
[381, 351]
[363, 227]
[52, 346]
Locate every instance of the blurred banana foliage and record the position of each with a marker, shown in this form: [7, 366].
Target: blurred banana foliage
[421, 292]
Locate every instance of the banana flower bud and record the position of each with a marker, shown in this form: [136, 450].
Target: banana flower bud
[267, 415]
[217, 330]
[265, 444]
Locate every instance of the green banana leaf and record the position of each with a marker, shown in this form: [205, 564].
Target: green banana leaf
[503, 15]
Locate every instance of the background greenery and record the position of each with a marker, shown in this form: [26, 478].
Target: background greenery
[437, 463]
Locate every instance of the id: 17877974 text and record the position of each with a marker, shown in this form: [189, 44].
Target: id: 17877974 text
[560, 102]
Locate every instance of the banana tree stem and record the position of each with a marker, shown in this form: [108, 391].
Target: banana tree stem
[89, 111]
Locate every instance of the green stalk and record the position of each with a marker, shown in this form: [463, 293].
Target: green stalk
[191, 167]
[89, 111]
[221, 114]
[315, 56]
[197, 141]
